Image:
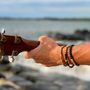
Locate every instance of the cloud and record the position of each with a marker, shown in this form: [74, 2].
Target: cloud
[38, 8]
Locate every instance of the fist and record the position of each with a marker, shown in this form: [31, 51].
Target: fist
[47, 53]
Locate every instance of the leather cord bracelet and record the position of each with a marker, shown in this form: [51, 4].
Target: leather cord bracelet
[67, 57]
[70, 63]
[71, 56]
[62, 56]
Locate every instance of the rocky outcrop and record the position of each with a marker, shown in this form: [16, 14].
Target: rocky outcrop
[77, 35]
[18, 77]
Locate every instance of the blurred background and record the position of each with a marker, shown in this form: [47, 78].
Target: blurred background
[66, 21]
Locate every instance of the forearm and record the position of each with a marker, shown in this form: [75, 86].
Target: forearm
[49, 53]
[81, 53]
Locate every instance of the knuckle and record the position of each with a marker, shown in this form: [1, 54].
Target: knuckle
[42, 38]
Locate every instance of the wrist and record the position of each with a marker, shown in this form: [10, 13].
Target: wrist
[76, 54]
[56, 55]
[67, 56]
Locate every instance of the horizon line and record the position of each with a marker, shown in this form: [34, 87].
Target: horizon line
[44, 18]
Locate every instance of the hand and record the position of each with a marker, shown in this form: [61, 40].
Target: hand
[47, 53]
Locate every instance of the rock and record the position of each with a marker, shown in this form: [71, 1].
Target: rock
[16, 69]
[69, 82]
[4, 64]
[26, 85]
[83, 86]
[7, 87]
[5, 67]
[43, 85]
[8, 84]
[55, 77]
[32, 76]
[24, 78]
[16, 79]
[79, 34]
[2, 76]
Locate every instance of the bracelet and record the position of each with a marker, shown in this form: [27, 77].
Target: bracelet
[70, 63]
[67, 58]
[71, 56]
[62, 56]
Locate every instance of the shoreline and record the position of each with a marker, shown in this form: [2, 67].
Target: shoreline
[45, 19]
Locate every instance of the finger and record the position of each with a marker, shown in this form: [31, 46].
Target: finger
[42, 38]
[27, 55]
[50, 64]
[45, 40]
[46, 65]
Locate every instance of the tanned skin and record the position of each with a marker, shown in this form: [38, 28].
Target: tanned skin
[48, 53]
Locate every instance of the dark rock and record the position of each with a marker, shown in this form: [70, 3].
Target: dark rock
[5, 67]
[7, 87]
[81, 85]
[4, 64]
[26, 85]
[43, 85]
[51, 77]
[2, 76]
[16, 79]
[60, 36]
[32, 76]
[67, 82]
[17, 69]
[83, 34]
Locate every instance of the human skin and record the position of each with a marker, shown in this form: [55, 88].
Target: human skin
[48, 53]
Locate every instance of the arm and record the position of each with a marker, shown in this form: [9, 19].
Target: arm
[81, 53]
[49, 53]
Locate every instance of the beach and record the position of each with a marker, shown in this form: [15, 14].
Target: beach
[36, 76]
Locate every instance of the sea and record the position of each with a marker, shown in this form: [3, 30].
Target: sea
[32, 29]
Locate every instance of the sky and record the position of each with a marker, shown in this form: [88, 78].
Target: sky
[45, 8]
